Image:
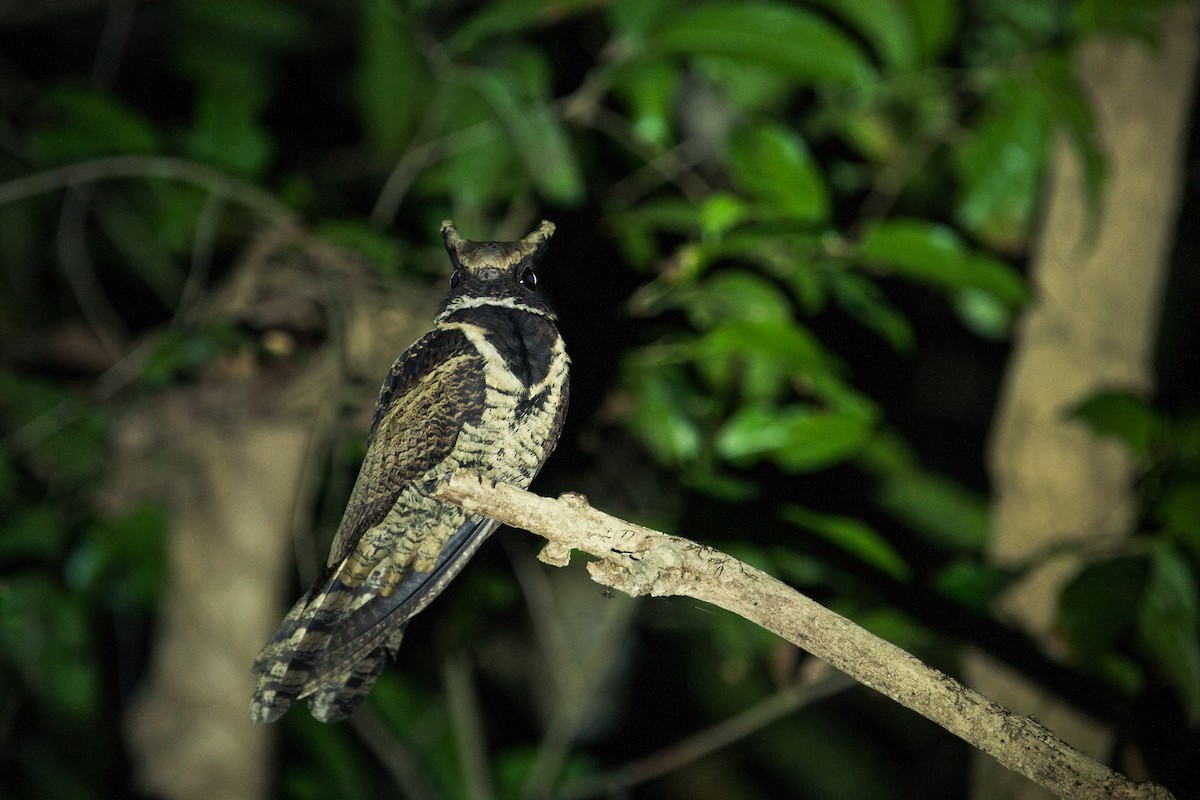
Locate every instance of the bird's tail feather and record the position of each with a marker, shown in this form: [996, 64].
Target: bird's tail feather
[333, 644]
[339, 696]
[285, 665]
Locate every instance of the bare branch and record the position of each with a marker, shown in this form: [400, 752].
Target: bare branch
[724, 733]
[640, 561]
[393, 754]
[149, 166]
[467, 720]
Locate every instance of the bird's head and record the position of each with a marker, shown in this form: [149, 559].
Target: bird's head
[495, 273]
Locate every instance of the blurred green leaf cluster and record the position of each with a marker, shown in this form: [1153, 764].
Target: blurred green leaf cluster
[1140, 609]
[63, 566]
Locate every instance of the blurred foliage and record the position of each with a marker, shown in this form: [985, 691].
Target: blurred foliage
[1140, 610]
[767, 173]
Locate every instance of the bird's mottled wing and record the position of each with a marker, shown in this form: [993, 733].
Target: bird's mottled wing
[433, 389]
[366, 593]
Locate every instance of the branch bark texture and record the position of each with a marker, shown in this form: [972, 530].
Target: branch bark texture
[640, 561]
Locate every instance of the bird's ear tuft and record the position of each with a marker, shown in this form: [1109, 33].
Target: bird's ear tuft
[453, 241]
[535, 243]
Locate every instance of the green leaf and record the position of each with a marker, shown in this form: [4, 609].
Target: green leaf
[501, 18]
[152, 233]
[932, 253]
[974, 585]
[996, 278]
[663, 415]
[1121, 18]
[1071, 110]
[759, 357]
[72, 450]
[720, 212]
[1100, 604]
[792, 40]
[1000, 164]
[8, 481]
[746, 90]
[734, 296]
[863, 300]
[1121, 415]
[895, 626]
[1179, 511]
[800, 569]
[888, 25]
[256, 26]
[797, 438]
[942, 511]
[772, 164]
[44, 637]
[852, 535]
[935, 22]
[666, 215]
[405, 707]
[88, 123]
[648, 89]
[383, 250]
[226, 131]
[122, 561]
[33, 533]
[485, 169]
[888, 454]
[634, 19]
[538, 135]
[916, 248]
[178, 353]
[514, 767]
[984, 314]
[1169, 625]
[792, 259]
[234, 41]
[392, 81]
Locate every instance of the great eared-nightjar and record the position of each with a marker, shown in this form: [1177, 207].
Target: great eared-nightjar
[485, 391]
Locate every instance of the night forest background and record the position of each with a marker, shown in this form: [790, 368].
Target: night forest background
[894, 299]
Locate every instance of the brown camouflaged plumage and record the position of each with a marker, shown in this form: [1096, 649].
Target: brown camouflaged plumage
[485, 391]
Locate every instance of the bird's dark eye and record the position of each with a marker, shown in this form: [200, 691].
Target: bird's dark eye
[455, 279]
[529, 278]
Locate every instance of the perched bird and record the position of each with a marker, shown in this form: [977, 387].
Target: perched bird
[485, 391]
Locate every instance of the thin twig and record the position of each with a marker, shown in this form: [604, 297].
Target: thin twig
[140, 245]
[708, 741]
[203, 245]
[673, 165]
[114, 37]
[548, 630]
[578, 675]
[419, 158]
[149, 166]
[70, 243]
[393, 754]
[640, 561]
[463, 702]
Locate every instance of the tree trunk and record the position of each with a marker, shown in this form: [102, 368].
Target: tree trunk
[1060, 491]
[231, 455]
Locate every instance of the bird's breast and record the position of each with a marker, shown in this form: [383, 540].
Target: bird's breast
[525, 371]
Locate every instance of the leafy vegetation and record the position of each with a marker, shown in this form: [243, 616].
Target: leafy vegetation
[770, 213]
